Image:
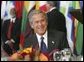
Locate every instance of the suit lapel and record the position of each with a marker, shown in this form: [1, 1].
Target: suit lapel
[35, 42]
[51, 42]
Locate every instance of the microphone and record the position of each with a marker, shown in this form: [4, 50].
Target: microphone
[57, 56]
[62, 55]
[66, 55]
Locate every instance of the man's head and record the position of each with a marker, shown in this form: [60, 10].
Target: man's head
[38, 21]
[13, 12]
[50, 4]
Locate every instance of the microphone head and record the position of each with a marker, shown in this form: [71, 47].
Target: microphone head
[66, 54]
[57, 56]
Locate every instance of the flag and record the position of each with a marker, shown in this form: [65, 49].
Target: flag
[24, 20]
[64, 8]
[41, 5]
[81, 4]
[18, 7]
[79, 32]
[25, 29]
[5, 9]
[71, 22]
[79, 39]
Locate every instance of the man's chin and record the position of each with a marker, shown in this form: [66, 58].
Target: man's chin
[41, 33]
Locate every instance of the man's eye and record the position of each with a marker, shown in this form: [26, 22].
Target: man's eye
[36, 22]
[42, 20]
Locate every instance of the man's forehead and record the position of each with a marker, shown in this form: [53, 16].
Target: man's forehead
[12, 9]
[38, 18]
[38, 15]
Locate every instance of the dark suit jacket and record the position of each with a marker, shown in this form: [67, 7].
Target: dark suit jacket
[56, 20]
[15, 33]
[59, 39]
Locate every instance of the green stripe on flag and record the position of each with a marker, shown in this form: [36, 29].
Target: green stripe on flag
[24, 20]
[79, 38]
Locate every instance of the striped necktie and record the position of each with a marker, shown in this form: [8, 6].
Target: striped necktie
[43, 45]
[10, 30]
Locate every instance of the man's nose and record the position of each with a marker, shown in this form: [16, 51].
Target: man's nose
[40, 23]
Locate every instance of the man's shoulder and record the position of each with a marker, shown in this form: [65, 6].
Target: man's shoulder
[6, 21]
[30, 40]
[55, 32]
[56, 12]
[30, 36]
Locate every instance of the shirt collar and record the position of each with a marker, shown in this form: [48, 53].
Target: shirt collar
[39, 38]
[12, 20]
[52, 9]
[45, 35]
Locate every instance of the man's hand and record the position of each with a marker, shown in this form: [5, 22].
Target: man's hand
[8, 42]
[12, 40]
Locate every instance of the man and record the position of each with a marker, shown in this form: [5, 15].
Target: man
[56, 19]
[11, 33]
[52, 39]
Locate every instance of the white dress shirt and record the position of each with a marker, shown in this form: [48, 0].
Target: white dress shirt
[45, 39]
[51, 9]
[12, 20]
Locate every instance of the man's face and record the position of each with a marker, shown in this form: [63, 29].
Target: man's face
[39, 23]
[12, 12]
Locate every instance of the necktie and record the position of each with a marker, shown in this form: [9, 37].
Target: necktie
[9, 35]
[10, 30]
[43, 45]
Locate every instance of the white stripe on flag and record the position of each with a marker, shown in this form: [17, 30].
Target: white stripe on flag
[65, 6]
[3, 8]
[31, 5]
[8, 6]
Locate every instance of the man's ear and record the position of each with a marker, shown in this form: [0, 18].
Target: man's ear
[31, 25]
